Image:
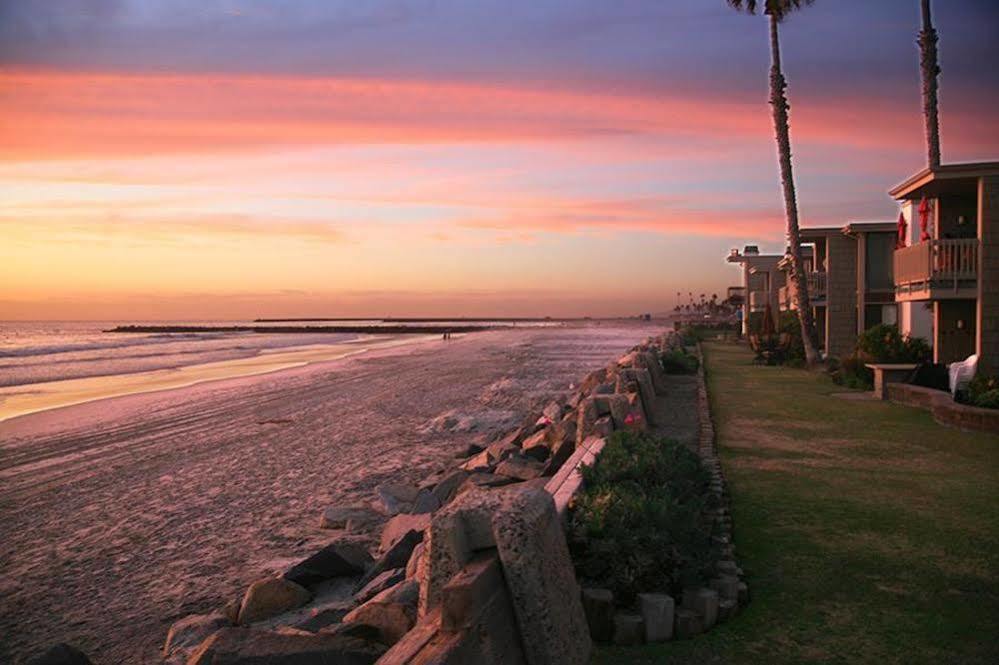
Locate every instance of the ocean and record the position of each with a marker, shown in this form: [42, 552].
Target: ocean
[34, 352]
[42, 351]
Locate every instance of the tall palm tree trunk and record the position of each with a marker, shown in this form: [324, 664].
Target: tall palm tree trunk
[783, 132]
[929, 68]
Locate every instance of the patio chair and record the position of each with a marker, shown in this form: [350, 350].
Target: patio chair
[961, 373]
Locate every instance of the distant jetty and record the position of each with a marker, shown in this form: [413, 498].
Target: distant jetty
[372, 329]
[392, 319]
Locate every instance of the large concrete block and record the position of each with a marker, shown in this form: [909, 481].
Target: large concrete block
[657, 611]
[392, 612]
[269, 597]
[617, 406]
[522, 524]
[244, 645]
[643, 379]
[651, 362]
[598, 605]
[628, 629]
[704, 602]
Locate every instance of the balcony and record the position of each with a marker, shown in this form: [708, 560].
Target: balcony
[816, 285]
[937, 270]
[816, 281]
[758, 301]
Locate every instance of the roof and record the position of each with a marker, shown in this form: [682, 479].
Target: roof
[807, 252]
[736, 257]
[816, 231]
[946, 178]
[869, 227]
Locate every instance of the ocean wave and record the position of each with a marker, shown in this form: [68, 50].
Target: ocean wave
[74, 347]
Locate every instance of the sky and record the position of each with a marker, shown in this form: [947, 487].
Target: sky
[206, 159]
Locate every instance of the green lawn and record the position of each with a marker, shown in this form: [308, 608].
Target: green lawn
[868, 532]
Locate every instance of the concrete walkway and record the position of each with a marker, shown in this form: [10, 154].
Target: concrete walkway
[675, 413]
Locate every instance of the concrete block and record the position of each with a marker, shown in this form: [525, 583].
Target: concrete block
[727, 609]
[727, 587]
[598, 605]
[704, 602]
[629, 629]
[658, 614]
[688, 624]
[521, 522]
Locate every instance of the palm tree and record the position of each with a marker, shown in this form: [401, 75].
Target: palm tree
[777, 11]
[929, 67]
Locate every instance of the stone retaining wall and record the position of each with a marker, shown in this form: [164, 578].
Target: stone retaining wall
[944, 409]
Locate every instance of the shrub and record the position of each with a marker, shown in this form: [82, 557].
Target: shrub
[885, 344]
[794, 354]
[691, 334]
[852, 373]
[638, 526]
[882, 343]
[982, 391]
[988, 399]
[678, 361]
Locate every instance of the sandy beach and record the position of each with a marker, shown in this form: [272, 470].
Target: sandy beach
[32, 398]
[119, 516]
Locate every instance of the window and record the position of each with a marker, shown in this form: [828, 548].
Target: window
[878, 261]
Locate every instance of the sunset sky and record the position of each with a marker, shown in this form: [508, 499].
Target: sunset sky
[230, 158]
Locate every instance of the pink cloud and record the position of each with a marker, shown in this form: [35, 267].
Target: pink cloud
[49, 115]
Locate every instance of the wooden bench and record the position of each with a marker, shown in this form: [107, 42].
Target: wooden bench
[889, 373]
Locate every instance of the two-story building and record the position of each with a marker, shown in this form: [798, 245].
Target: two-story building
[850, 285]
[761, 281]
[946, 278]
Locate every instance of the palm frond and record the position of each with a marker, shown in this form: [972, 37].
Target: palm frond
[778, 8]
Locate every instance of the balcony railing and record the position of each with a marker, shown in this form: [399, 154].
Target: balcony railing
[758, 300]
[945, 262]
[816, 289]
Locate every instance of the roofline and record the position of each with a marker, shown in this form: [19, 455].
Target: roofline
[869, 227]
[820, 229]
[744, 258]
[943, 172]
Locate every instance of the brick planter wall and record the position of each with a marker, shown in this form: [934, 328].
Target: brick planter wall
[944, 409]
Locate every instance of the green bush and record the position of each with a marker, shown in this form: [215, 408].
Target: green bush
[789, 324]
[982, 391]
[638, 526]
[885, 344]
[882, 343]
[989, 399]
[678, 361]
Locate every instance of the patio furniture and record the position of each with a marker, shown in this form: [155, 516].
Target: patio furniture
[961, 373]
[885, 373]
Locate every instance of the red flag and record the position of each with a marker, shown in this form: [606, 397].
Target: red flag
[900, 240]
[924, 219]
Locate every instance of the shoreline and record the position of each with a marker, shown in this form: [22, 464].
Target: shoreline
[27, 399]
[379, 330]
